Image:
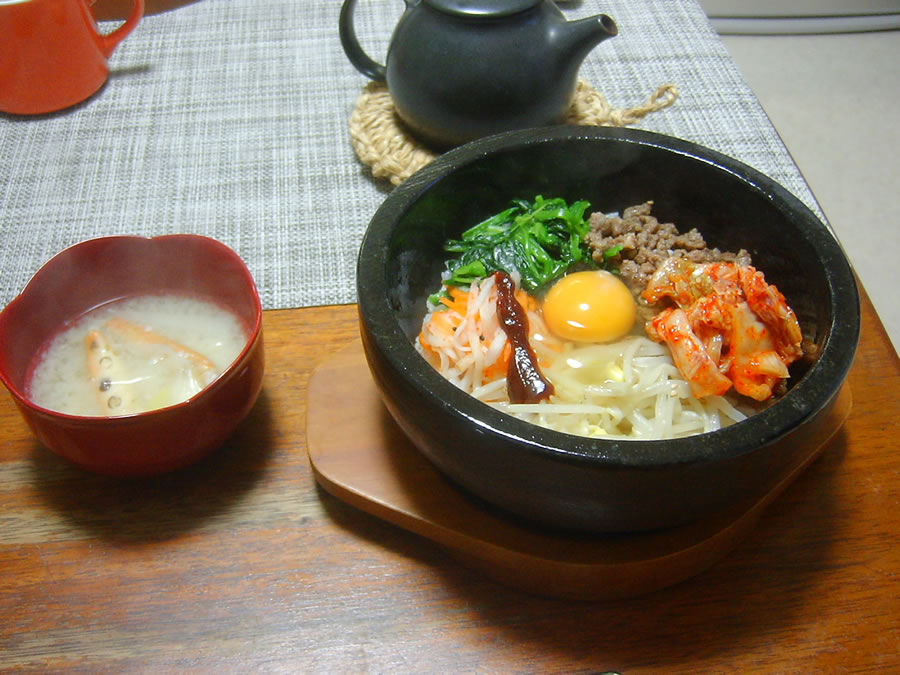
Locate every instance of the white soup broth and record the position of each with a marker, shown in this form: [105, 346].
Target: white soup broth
[136, 354]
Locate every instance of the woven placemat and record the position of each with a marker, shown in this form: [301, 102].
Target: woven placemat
[383, 144]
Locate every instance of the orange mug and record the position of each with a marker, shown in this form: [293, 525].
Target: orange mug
[52, 55]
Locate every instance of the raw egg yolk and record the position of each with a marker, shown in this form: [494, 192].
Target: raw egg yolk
[592, 306]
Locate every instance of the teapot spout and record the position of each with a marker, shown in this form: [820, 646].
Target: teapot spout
[577, 38]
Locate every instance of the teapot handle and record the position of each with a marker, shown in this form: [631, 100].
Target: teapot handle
[111, 41]
[361, 61]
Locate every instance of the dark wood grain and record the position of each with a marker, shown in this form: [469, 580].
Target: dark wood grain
[242, 563]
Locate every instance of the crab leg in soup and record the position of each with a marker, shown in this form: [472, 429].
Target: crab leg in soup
[107, 377]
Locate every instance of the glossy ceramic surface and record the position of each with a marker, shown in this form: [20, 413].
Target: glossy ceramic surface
[568, 481]
[463, 69]
[100, 270]
[52, 55]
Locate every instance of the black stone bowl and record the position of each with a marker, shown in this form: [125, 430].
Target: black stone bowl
[566, 481]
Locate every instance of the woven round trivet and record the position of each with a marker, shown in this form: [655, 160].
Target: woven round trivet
[383, 144]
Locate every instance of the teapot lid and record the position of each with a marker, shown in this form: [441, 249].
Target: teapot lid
[482, 7]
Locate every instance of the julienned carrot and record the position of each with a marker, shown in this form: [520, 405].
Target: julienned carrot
[499, 367]
[422, 342]
[445, 322]
[458, 301]
[529, 302]
[438, 334]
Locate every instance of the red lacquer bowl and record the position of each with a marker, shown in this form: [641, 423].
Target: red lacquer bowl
[100, 270]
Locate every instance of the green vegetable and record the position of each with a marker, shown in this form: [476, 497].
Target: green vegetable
[539, 240]
[612, 252]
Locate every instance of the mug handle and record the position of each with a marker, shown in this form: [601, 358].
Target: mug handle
[361, 61]
[111, 41]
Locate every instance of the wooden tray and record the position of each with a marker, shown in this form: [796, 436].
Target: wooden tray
[359, 455]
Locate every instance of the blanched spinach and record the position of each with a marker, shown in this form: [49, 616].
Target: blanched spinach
[540, 240]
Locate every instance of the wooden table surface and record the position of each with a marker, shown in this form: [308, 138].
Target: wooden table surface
[242, 563]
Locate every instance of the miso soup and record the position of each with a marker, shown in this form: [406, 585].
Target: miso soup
[135, 355]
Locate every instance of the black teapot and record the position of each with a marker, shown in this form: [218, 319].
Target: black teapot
[461, 69]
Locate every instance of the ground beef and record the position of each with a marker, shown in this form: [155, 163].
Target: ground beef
[647, 242]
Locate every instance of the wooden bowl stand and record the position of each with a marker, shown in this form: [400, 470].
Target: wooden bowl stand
[359, 455]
